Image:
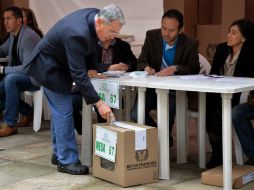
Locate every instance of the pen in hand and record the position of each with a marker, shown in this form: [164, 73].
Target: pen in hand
[149, 69]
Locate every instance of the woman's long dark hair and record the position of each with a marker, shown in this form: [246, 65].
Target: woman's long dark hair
[31, 21]
[246, 28]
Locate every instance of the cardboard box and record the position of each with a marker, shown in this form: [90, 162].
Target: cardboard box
[241, 175]
[131, 167]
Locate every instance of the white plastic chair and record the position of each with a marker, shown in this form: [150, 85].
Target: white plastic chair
[46, 110]
[37, 102]
[205, 66]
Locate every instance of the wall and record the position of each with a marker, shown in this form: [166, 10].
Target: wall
[191, 17]
[209, 12]
[140, 15]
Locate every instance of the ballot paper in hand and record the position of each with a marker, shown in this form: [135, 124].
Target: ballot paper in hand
[138, 74]
[114, 73]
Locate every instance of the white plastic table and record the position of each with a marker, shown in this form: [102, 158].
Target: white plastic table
[225, 86]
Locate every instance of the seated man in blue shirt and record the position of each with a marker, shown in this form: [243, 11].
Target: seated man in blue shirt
[167, 51]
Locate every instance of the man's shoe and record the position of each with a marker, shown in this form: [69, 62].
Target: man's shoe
[6, 130]
[74, 169]
[25, 121]
[54, 160]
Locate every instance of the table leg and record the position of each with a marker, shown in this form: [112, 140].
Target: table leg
[141, 104]
[181, 127]
[163, 133]
[87, 132]
[227, 140]
[201, 128]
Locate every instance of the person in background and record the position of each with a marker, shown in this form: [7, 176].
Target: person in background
[29, 19]
[232, 58]
[25, 109]
[167, 51]
[112, 55]
[241, 116]
[18, 47]
[61, 58]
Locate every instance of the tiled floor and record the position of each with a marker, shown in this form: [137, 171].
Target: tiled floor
[25, 165]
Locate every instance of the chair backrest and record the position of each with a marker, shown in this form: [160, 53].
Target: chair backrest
[205, 66]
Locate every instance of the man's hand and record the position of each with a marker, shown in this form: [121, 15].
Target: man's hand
[95, 74]
[105, 111]
[167, 71]
[150, 70]
[118, 67]
[92, 73]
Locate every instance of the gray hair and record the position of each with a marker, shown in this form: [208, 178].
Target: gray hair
[111, 13]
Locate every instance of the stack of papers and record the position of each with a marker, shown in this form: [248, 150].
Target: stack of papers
[114, 73]
[198, 77]
[138, 74]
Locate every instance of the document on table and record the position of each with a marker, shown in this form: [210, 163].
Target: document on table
[114, 73]
[231, 79]
[198, 77]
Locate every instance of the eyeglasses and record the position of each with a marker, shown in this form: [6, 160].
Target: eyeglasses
[114, 33]
[111, 32]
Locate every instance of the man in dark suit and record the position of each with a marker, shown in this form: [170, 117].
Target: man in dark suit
[18, 47]
[167, 51]
[60, 59]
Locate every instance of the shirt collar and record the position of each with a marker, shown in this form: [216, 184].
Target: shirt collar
[113, 43]
[17, 36]
[167, 46]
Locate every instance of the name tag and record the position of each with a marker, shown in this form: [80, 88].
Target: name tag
[108, 92]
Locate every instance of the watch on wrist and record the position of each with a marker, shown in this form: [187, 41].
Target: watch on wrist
[176, 68]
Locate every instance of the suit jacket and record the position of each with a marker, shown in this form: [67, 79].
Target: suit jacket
[121, 53]
[27, 41]
[186, 57]
[60, 57]
[244, 66]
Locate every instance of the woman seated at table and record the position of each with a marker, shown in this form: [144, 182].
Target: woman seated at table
[232, 58]
[113, 55]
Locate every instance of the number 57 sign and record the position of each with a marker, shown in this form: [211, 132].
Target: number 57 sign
[108, 92]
